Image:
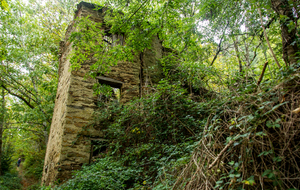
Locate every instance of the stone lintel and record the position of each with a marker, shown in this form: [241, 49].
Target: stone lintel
[109, 81]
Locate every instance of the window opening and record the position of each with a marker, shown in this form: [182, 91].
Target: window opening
[113, 39]
[108, 42]
[112, 87]
[117, 93]
[108, 39]
[99, 148]
[113, 95]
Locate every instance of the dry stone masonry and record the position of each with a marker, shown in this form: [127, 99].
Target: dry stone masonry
[72, 132]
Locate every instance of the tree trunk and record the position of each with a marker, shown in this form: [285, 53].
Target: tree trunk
[267, 39]
[45, 133]
[288, 34]
[2, 122]
[235, 43]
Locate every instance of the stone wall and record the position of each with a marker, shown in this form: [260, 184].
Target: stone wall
[71, 133]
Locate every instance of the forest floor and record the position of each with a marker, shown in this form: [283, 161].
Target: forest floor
[25, 181]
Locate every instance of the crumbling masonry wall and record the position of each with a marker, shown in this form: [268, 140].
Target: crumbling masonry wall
[69, 145]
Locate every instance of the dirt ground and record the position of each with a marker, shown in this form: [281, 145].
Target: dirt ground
[26, 182]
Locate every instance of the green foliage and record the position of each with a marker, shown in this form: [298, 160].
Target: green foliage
[103, 89]
[6, 158]
[33, 164]
[38, 186]
[89, 44]
[156, 118]
[149, 136]
[3, 5]
[29, 62]
[157, 135]
[106, 173]
[10, 181]
[44, 188]
[243, 140]
[157, 141]
[152, 134]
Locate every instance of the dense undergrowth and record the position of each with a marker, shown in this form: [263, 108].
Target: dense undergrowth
[27, 175]
[9, 180]
[252, 142]
[247, 139]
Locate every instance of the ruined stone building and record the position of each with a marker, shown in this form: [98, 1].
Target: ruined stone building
[69, 146]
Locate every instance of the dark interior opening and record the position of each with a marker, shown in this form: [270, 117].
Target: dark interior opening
[98, 149]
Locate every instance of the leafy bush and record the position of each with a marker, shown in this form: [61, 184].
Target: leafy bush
[145, 137]
[34, 164]
[6, 158]
[153, 133]
[166, 140]
[105, 174]
[244, 143]
[10, 181]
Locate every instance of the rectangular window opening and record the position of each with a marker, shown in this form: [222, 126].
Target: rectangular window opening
[113, 95]
[108, 39]
[98, 149]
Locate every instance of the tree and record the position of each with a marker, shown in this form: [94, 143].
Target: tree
[28, 66]
[2, 125]
[29, 63]
[3, 5]
[288, 14]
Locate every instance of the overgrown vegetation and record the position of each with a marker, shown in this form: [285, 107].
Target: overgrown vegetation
[166, 140]
[225, 115]
[10, 181]
[251, 142]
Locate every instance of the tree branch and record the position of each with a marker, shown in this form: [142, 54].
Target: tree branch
[262, 73]
[18, 96]
[266, 37]
[220, 154]
[219, 46]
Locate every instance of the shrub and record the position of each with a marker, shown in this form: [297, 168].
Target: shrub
[34, 164]
[105, 174]
[6, 158]
[10, 181]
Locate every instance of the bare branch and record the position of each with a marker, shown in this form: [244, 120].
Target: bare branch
[266, 37]
[262, 73]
